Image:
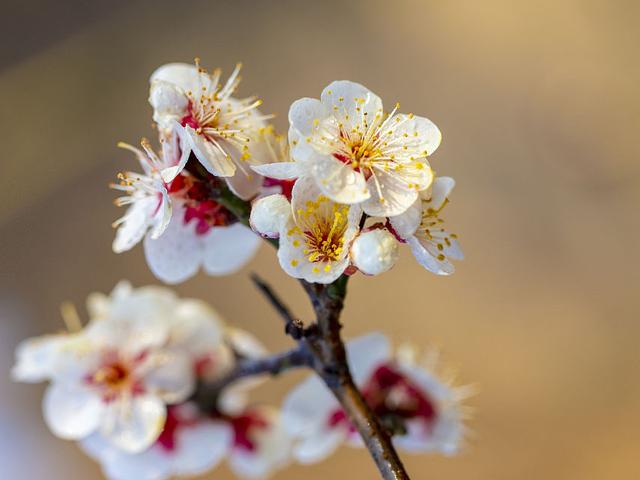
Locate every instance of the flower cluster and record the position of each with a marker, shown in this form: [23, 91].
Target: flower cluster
[349, 185]
[125, 387]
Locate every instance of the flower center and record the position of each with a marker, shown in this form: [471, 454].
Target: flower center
[243, 427]
[360, 153]
[394, 398]
[323, 225]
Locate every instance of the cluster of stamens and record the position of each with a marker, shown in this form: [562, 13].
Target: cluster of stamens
[321, 225]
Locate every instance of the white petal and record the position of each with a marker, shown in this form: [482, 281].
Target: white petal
[183, 75]
[308, 407]
[244, 343]
[151, 464]
[319, 445]
[422, 133]
[216, 161]
[201, 447]
[397, 197]
[344, 98]
[272, 449]
[169, 375]
[366, 353]
[375, 251]
[169, 103]
[196, 328]
[177, 254]
[133, 424]
[245, 185]
[136, 221]
[280, 170]
[269, 215]
[304, 112]
[427, 260]
[228, 249]
[408, 222]
[36, 358]
[71, 411]
[339, 181]
[440, 191]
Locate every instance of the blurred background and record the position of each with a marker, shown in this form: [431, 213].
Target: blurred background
[539, 106]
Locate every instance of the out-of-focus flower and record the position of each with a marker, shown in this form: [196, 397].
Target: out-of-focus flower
[116, 375]
[407, 397]
[315, 233]
[186, 228]
[355, 152]
[422, 229]
[217, 128]
[192, 443]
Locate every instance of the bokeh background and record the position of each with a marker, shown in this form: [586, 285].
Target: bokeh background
[538, 102]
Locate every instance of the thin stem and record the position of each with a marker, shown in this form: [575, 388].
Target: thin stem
[206, 395]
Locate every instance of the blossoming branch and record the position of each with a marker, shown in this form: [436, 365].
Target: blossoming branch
[154, 386]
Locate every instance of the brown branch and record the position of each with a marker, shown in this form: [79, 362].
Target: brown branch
[333, 367]
[207, 394]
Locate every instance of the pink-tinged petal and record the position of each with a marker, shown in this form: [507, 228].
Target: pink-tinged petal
[271, 452]
[440, 191]
[374, 252]
[349, 101]
[177, 255]
[245, 185]
[228, 249]
[72, 411]
[169, 375]
[408, 222]
[279, 170]
[367, 352]
[304, 112]
[319, 445]
[201, 447]
[396, 196]
[340, 182]
[133, 424]
[269, 215]
[135, 224]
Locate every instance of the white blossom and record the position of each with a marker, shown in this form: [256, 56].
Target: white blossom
[423, 229]
[116, 375]
[355, 152]
[217, 128]
[403, 393]
[315, 233]
[183, 228]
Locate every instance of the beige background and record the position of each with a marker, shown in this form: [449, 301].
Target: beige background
[540, 112]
